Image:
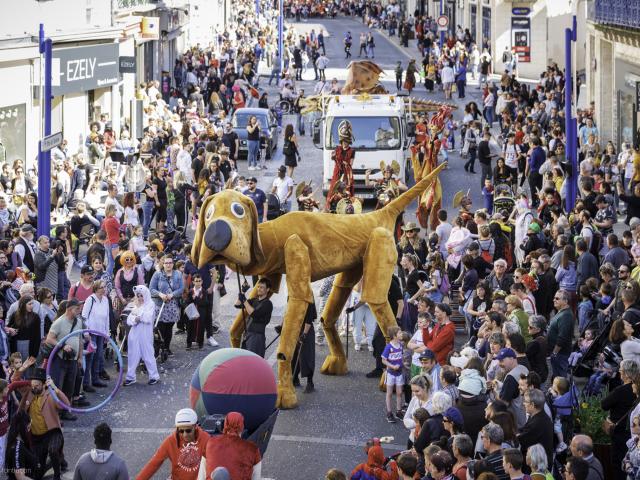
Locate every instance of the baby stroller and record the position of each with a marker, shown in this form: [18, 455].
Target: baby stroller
[274, 207]
[159, 351]
[586, 365]
[503, 200]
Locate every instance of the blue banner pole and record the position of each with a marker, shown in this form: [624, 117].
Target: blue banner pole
[44, 158]
[571, 134]
[281, 34]
[442, 32]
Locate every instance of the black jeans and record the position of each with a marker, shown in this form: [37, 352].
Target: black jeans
[399, 83]
[472, 160]
[64, 374]
[166, 331]
[535, 183]
[486, 173]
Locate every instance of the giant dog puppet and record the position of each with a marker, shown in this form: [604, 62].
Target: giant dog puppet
[306, 247]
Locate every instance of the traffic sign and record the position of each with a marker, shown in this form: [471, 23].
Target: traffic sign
[51, 141]
[443, 22]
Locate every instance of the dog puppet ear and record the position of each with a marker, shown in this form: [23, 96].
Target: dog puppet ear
[257, 255]
[199, 234]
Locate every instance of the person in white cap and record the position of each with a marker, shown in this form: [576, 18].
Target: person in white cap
[140, 340]
[184, 448]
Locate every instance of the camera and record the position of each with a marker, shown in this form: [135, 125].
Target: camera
[68, 355]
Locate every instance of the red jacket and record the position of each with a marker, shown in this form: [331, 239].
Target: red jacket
[440, 340]
[374, 468]
[235, 454]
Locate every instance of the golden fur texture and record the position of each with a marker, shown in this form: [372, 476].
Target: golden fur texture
[305, 246]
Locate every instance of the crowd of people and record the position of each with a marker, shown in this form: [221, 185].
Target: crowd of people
[545, 293]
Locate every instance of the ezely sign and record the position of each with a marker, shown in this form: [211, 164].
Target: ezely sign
[85, 68]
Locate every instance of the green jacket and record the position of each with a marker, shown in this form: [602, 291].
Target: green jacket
[522, 319]
[561, 331]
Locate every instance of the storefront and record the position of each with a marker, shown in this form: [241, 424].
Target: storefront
[627, 77]
[82, 88]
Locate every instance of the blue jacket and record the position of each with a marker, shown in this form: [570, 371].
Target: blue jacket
[567, 278]
[538, 157]
[160, 283]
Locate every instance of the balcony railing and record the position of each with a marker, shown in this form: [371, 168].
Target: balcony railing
[619, 13]
[128, 4]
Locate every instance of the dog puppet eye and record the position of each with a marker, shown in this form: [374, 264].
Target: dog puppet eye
[210, 211]
[237, 209]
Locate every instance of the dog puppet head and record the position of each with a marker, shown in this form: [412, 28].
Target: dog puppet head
[227, 231]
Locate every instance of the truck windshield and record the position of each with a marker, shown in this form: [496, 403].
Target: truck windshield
[240, 120]
[370, 133]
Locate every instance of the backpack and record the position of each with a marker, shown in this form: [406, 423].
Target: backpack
[445, 285]
[485, 254]
[596, 242]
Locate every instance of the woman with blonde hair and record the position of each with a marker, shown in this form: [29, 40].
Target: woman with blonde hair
[437, 274]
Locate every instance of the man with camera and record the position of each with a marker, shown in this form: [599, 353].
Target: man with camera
[65, 367]
[258, 309]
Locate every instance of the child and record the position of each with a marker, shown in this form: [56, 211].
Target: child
[561, 407]
[137, 242]
[606, 296]
[585, 308]
[583, 345]
[392, 357]
[15, 362]
[487, 193]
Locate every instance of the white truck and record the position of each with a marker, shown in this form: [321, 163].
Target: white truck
[382, 127]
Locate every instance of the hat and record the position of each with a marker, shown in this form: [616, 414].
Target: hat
[505, 353]
[27, 228]
[35, 373]
[74, 302]
[86, 269]
[427, 355]
[453, 414]
[186, 416]
[534, 227]
[466, 354]
[282, 168]
[471, 382]
[410, 226]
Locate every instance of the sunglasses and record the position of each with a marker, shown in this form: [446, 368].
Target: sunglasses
[185, 431]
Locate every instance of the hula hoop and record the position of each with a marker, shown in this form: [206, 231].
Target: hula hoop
[52, 355]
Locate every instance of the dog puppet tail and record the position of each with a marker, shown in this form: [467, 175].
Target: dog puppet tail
[397, 206]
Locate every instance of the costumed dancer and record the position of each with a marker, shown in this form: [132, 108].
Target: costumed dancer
[240, 457]
[387, 188]
[306, 349]
[304, 195]
[343, 157]
[523, 218]
[140, 338]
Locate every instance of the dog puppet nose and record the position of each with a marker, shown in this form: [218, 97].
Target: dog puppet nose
[218, 235]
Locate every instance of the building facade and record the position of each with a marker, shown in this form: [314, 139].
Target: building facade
[613, 76]
[102, 50]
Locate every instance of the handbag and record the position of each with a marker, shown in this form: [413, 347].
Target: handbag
[191, 311]
[608, 426]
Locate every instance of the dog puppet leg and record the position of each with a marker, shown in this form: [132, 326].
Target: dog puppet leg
[298, 275]
[336, 362]
[379, 262]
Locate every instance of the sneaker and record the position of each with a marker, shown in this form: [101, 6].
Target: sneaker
[81, 403]
[370, 347]
[99, 384]
[358, 347]
[153, 381]
[561, 447]
[391, 418]
[69, 417]
[128, 382]
[212, 341]
[400, 415]
[251, 169]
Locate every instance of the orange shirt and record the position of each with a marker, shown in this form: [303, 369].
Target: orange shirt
[111, 226]
[184, 457]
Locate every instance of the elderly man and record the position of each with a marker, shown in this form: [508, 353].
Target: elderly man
[46, 267]
[499, 279]
[25, 248]
[492, 437]
[582, 447]
[65, 367]
[539, 427]
[560, 336]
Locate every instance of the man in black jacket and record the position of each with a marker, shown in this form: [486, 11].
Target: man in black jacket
[484, 157]
[539, 427]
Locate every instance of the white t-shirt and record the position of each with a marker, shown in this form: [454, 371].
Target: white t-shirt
[511, 153]
[282, 186]
[131, 217]
[417, 339]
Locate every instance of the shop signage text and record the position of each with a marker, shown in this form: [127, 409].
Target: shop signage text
[521, 38]
[51, 141]
[84, 68]
[127, 64]
[520, 10]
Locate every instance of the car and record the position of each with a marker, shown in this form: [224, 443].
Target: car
[268, 129]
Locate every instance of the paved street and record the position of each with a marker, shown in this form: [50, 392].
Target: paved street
[330, 425]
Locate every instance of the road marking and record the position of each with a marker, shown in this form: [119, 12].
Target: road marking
[274, 437]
